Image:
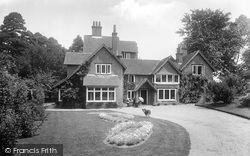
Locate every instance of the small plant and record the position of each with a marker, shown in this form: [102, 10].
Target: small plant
[116, 117]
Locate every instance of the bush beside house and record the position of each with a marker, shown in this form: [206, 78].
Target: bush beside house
[18, 113]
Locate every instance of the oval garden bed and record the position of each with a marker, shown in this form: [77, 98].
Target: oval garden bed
[129, 133]
[116, 117]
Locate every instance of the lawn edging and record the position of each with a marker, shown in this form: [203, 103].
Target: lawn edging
[224, 111]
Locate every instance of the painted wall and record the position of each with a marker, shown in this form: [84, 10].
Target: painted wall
[199, 61]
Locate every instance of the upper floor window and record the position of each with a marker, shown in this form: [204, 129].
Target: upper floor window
[197, 69]
[170, 78]
[126, 55]
[131, 78]
[103, 68]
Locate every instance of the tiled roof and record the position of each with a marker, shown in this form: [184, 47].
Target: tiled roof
[129, 46]
[72, 58]
[139, 67]
[190, 56]
[91, 43]
[145, 80]
[101, 80]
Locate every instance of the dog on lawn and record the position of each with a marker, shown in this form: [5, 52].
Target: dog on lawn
[146, 112]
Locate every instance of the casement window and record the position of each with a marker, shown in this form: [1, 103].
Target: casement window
[166, 94]
[103, 68]
[131, 78]
[197, 69]
[166, 79]
[98, 94]
[130, 94]
[126, 55]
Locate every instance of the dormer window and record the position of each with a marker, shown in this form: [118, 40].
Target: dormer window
[197, 69]
[103, 68]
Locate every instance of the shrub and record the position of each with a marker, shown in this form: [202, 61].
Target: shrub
[221, 92]
[236, 83]
[245, 102]
[191, 87]
[9, 131]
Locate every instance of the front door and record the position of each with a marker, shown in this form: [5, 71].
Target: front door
[144, 95]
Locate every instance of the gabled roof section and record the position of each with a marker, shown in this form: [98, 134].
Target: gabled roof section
[72, 58]
[188, 58]
[139, 67]
[104, 46]
[145, 80]
[163, 62]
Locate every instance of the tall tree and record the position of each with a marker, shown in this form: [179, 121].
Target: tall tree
[212, 33]
[77, 44]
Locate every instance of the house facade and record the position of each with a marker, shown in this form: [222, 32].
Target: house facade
[116, 74]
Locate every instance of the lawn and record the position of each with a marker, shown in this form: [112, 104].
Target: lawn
[83, 134]
[232, 108]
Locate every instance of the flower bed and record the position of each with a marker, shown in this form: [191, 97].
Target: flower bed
[116, 117]
[129, 133]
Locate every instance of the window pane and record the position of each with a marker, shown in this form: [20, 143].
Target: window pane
[111, 96]
[104, 88]
[97, 88]
[97, 95]
[158, 78]
[164, 78]
[103, 69]
[166, 94]
[176, 78]
[128, 94]
[199, 69]
[133, 94]
[111, 89]
[90, 96]
[170, 78]
[97, 68]
[172, 94]
[160, 94]
[105, 95]
[108, 69]
[194, 69]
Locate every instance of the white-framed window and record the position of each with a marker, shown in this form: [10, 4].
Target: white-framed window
[100, 94]
[166, 94]
[103, 68]
[130, 94]
[131, 78]
[167, 79]
[197, 69]
[126, 55]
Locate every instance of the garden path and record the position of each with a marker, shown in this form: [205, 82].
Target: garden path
[211, 132]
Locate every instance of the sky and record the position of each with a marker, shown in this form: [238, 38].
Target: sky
[151, 23]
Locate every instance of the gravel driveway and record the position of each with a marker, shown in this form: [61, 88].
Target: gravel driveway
[212, 133]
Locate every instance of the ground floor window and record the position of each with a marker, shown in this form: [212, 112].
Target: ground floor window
[166, 94]
[100, 94]
[130, 94]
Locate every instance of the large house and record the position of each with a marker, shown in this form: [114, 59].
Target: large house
[116, 73]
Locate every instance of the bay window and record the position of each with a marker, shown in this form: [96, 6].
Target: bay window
[98, 94]
[166, 94]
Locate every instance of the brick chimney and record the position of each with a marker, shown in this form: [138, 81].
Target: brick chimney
[96, 28]
[115, 41]
[181, 52]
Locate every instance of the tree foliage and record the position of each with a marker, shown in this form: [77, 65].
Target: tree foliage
[77, 45]
[213, 34]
